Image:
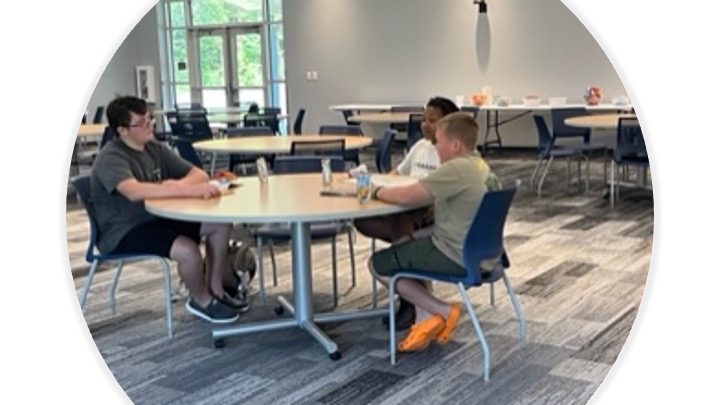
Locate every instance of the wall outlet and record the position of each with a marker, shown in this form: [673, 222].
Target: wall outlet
[314, 75]
[308, 75]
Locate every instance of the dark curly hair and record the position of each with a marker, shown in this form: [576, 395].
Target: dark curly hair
[443, 104]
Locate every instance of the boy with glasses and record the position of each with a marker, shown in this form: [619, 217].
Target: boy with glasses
[133, 167]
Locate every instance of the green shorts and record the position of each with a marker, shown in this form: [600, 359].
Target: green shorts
[417, 254]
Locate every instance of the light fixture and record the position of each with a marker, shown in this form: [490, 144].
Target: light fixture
[482, 6]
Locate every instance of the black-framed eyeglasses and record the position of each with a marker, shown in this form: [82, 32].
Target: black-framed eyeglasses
[143, 124]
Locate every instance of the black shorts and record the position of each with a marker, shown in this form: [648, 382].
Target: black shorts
[157, 236]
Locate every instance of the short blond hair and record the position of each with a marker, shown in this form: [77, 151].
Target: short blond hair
[460, 126]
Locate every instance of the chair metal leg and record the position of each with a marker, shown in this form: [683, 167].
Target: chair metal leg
[612, 184]
[374, 282]
[478, 331]
[542, 178]
[605, 166]
[88, 282]
[391, 317]
[271, 245]
[567, 173]
[492, 294]
[535, 173]
[518, 310]
[261, 272]
[168, 296]
[351, 247]
[587, 174]
[334, 272]
[113, 285]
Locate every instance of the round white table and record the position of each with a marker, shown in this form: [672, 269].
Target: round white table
[599, 121]
[274, 144]
[296, 199]
[263, 145]
[382, 117]
[89, 130]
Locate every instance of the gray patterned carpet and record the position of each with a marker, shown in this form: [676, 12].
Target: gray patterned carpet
[579, 269]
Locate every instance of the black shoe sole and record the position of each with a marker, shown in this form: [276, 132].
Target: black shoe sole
[206, 317]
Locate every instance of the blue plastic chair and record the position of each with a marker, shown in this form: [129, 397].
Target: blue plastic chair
[483, 241]
[629, 151]
[346, 116]
[346, 130]
[548, 151]
[383, 156]
[297, 125]
[405, 108]
[414, 130]
[330, 147]
[99, 112]
[560, 130]
[318, 231]
[471, 109]
[81, 184]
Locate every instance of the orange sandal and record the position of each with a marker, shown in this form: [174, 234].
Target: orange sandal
[421, 334]
[453, 317]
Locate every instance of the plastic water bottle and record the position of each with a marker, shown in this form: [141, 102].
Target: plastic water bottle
[262, 170]
[326, 172]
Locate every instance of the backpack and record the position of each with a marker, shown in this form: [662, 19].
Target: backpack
[239, 271]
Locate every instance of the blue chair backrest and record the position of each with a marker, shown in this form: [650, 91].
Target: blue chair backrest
[192, 125]
[99, 114]
[346, 115]
[334, 147]
[484, 239]
[187, 151]
[271, 121]
[471, 109]
[383, 160]
[306, 164]
[560, 130]
[81, 184]
[407, 108]
[251, 131]
[340, 130]
[545, 140]
[629, 141]
[297, 125]
[108, 135]
[270, 111]
[414, 130]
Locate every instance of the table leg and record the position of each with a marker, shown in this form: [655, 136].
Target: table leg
[302, 310]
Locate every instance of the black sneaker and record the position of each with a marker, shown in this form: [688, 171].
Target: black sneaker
[404, 318]
[215, 312]
[237, 303]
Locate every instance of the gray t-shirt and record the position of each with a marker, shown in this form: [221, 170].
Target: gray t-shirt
[458, 186]
[115, 214]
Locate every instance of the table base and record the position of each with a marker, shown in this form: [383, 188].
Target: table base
[302, 310]
[309, 326]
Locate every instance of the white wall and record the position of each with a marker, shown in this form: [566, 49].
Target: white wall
[411, 50]
[140, 48]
